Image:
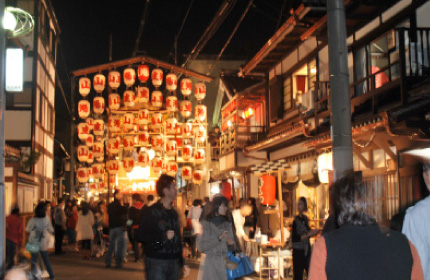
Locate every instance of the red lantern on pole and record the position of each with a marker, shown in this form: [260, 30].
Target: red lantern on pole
[187, 129]
[99, 105]
[157, 77]
[171, 126]
[172, 168]
[267, 189]
[172, 103]
[114, 123]
[157, 99]
[226, 190]
[171, 148]
[186, 87]
[99, 83]
[129, 77]
[198, 177]
[187, 152]
[112, 167]
[186, 108]
[186, 172]
[143, 73]
[142, 95]
[114, 101]
[82, 174]
[143, 116]
[129, 98]
[156, 120]
[200, 113]
[98, 150]
[84, 109]
[84, 86]
[83, 153]
[200, 133]
[199, 156]
[99, 127]
[113, 146]
[200, 91]
[171, 82]
[128, 143]
[129, 120]
[143, 138]
[83, 131]
[114, 79]
[128, 164]
[157, 142]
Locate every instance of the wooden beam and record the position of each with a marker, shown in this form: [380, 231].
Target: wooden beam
[366, 162]
[384, 146]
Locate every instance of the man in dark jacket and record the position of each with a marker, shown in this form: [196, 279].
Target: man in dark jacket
[134, 216]
[60, 225]
[117, 213]
[160, 232]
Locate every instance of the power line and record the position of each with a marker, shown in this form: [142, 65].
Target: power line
[175, 42]
[141, 27]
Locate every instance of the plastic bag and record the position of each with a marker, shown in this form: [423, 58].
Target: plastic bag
[244, 267]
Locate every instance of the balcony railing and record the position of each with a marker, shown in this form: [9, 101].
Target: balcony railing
[239, 136]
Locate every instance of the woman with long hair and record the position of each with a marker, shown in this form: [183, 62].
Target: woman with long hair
[85, 229]
[38, 228]
[216, 236]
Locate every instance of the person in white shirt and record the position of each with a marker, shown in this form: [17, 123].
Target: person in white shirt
[239, 222]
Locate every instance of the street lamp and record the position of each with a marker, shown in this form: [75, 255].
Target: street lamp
[9, 20]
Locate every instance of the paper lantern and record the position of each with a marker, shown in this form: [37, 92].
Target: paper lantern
[172, 168]
[128, 164]
[143, 73]
[200, 91]
[90, 122]
[82, 174]
[157, 142]
[129, 120]
[98, 170]
[114, 79]
[84, 109]
[200, 112]
[112, 166]
[98, 149]
[90, 172]
[129, 77]
[99, 83]
[90, 157]
[187, 129]
[129, 98]
[200, 133]
[114, 101]
[101, 186]
[186, 87]
[198, 177]
[143, 138]
[186, 108]
[156, 164]
[157, 77]
[113, 146]
[84, 86]
[112, 181]
[172, 103]
[164, 166]
[99, 105]
[92, 186]
[90, 140]
[157, 99]
[83, 131]
[143, 159]
[128, 143]
[267, 189]
[171, 126]
[100, 159]
[187, 152]
[226, 190]
[171, 82]
[156, 120]
[142, 95]
[143, 116]
[83, 153]
[199, 156]
[325, 165]
[186, 172]
[114, 123]
[171, 148]
[99, 127]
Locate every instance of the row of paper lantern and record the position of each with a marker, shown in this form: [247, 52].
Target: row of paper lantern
[129, 76]
[96, 171]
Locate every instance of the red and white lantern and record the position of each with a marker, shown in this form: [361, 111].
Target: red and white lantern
[84, 86]
[200, 91]
[200, 133]
[113, 146]
[199, 156]
[143, 73]
[143, 116]
[129, 77]
[83, 153]
[129, 121]
[112, 166]
[200, 113]
[114, 123]
[171, 82]
[90, 157]
[157, 77]
[198, 176]
[186, 87]
[157, 99]
[128, 164]
[171, 126]
[172, 103]
[82, 174]
[142, 95]
[164, 166]
[114, 79]
[172, 168]
[98, 150]
[187, 129]
[99, 105]
[90, 122]
[99, 127]
[128, 143]
[90, 172]
[156, 120]
[143, 159]
[114, 101]
[186, 108]
[99, 83]
[171, 148]
[90, 140]
[98, 170]
[143, 138]
[84, 109]
[157, 142]
[187, 152]
[83, 131]
[92, 186]
[129, 98]
[186, 172]
[156, 164]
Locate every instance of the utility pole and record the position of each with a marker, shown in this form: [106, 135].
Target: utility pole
[2, 141]
[72, 136]
[341, 134]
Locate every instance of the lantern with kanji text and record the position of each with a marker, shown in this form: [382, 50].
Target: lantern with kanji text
[129, 98]
[156, 120]
[114, 101]
[99, 127]
[90, 140]
[143, 138]
[200, 133]
[90, 172]
[200, 113]
[186, 108]
[92, 186]
[187, 129]
[198, 176]
[143, 73]
[164, 166]
[199, 156]
[128, 164]
[267, 189]
[129, 77]
[83, 153]
[82, 174]
[171, 126]
[157, 142]
[83, 131]
[186, 172]
[143, 158]
[171, 148]
[186, 87]
[113, 146]
[90, 122]
[157, 99]
[128, 143]
[98, 149]
[84, 109]
[171, 82]
[99, 105]
[157, 77]
[90, 157]
[129, 120]
[143, 116]
[200, 91]
[114, 79]
[156, 164]
[112, 166]
[114, 123]
[99, 83]
[172, 168]
[142, 95]
[171, 103]
[84, 86]
[98, 170]
[187, 152]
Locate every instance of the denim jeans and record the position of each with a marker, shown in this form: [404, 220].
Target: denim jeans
[10, 253]
[157, 269]
[116, 239]
[46, 261]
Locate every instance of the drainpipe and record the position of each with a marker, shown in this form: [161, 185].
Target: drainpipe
[339, 83]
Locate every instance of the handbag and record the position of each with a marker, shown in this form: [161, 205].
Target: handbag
[244, 267]
[31, 246]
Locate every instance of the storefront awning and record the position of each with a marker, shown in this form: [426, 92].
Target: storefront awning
[270, 166]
